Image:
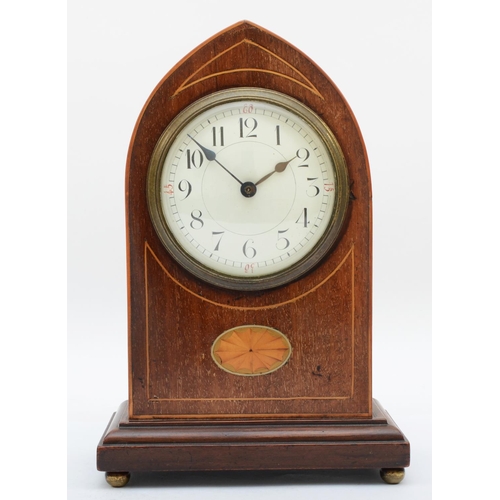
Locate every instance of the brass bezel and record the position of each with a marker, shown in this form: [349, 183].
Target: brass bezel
[296, 270]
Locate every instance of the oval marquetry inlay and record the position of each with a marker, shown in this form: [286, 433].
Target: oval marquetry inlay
[251, 350]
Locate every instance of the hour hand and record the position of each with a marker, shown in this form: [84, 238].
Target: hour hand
[212, 156]
[280, 167]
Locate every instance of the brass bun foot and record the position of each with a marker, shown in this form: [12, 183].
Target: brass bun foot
[392, 476]
[117, 479]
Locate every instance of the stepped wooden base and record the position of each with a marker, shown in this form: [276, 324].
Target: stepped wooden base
[130, 446]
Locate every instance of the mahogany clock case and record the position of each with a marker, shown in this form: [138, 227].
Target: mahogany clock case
[316, 411]
[329, 372]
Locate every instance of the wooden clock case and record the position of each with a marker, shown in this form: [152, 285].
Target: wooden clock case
[184, 412]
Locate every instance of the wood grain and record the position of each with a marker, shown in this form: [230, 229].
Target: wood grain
[174, 318]
[270, 445]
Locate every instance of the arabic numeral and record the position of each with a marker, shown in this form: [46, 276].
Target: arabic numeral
[194, 159]
[282, 243]
[249, 251]
[312, 190]
[184, 186]
[303, 218]
[303, 155]
[220, 234]
[218, 139]
[197, 222]
[248, 126]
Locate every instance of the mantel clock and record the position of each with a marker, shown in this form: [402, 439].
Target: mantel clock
[248, 205]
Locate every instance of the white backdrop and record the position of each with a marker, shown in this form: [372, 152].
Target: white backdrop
[379, 55]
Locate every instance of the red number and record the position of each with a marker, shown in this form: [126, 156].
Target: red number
[329, 187]
[169, 189]
[249, 268]
[248, 108]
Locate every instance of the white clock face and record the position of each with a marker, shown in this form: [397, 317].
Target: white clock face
[247, 187]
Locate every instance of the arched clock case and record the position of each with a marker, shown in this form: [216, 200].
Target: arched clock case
[249, 233]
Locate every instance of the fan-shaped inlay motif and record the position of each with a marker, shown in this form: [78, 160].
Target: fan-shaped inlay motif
[251, 350]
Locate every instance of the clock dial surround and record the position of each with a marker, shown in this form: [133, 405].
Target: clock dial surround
[248, 189]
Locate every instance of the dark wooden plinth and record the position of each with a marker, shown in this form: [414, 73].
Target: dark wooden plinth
[259, 445]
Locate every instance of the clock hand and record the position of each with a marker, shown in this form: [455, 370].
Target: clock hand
[211, 156]
[280, 167]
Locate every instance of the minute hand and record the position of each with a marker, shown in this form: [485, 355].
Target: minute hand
[211, 156]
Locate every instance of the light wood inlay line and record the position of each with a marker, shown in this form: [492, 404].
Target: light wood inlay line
[251, 416]
[350, 253]
[308, 86]
[292, 398]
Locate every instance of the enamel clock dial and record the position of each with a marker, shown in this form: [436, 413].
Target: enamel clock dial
[247, 189]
